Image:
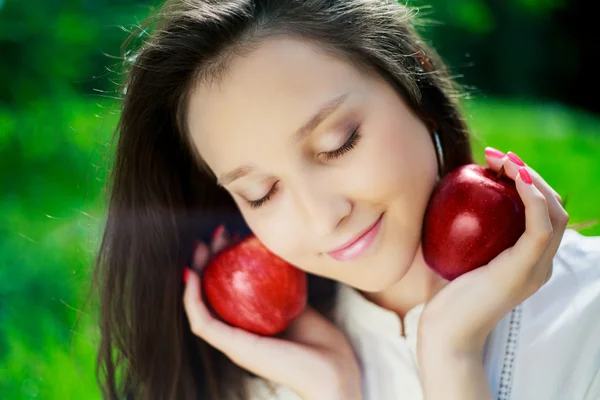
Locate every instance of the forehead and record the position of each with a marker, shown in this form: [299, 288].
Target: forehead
[263, 98]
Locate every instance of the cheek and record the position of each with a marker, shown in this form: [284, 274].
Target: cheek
[285, 236]
[396, 161]
[278, 231]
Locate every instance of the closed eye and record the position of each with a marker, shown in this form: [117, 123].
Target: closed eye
[263, 200]
[330, 155]
[346, 147]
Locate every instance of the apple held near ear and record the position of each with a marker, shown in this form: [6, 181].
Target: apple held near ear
[473, 215]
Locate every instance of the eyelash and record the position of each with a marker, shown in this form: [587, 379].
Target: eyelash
[346, 147]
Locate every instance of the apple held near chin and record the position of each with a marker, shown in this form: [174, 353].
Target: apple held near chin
[473, 215]
[251, 288]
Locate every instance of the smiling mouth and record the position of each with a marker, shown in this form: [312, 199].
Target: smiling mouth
[357, 246]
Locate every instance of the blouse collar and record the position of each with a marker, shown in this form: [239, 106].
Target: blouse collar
[353, 307]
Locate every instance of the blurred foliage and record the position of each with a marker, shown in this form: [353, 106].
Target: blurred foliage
[57, 113]
[534, 48]
[539, 49]
[53, 48]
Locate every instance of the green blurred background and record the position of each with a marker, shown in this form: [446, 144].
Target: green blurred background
[527, 65]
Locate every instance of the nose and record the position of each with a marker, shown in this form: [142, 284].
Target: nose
[323, 207]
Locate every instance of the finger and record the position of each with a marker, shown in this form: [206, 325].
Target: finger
[201, 256]
[494, 158]
[526, 252]
[549, 271]
[558, 215]
[559, 219]
[559, 198]
[218, 334]
[511, 162]
[202, 323]
[220, 239]
[264, 356]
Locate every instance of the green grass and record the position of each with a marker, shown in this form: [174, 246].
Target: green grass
[52, 175]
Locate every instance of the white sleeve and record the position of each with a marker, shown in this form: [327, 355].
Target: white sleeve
[260, 389]
[586, 250]
[593, 391]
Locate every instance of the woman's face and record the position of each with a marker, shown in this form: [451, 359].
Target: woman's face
[308, 186]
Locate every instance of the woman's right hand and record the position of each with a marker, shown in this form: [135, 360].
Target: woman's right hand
[313, 357]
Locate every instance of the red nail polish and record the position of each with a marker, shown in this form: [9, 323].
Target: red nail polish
[218, 232]
[490, 151]
[525, 176]
[514, 158]
[186, 274]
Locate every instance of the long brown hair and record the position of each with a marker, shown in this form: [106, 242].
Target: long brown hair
[161, 199]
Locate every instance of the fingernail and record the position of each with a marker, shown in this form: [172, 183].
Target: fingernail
[514, 158]
[186, 274]
[490, 151]
[218, 232]
[525, 175]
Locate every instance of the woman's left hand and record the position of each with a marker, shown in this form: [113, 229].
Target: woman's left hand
[458, 319]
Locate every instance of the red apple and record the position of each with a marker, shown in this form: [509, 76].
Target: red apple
[472, 217]
[251, 288]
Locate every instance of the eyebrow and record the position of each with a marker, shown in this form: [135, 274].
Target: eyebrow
[300, 134]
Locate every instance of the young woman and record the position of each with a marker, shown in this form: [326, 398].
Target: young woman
[315, 122]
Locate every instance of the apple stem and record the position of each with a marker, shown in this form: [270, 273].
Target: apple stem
[499, 173]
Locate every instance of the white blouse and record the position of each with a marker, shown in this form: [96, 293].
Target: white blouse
[547, 348]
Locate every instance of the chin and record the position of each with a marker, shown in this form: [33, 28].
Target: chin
[390, 271]
[382, 279]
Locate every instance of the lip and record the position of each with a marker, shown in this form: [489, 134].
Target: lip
[358, 245]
